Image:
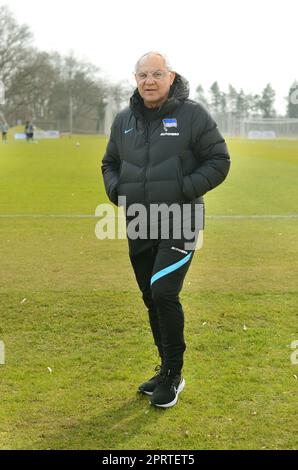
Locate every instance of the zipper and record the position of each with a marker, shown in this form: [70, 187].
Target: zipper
[147, 140]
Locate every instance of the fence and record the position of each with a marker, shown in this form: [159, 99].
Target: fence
[261, 128]
[229, 124]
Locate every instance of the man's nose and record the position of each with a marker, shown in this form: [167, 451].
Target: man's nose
[149, 80]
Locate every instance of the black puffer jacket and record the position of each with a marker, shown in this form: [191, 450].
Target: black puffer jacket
[178, 157]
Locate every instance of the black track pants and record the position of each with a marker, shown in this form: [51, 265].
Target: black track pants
[160, 272]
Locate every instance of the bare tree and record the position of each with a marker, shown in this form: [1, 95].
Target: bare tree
[232, 100]
[266, 103]
[31, 87]
[217, 99]
[78, 95]
[201, 97]
[15, 40]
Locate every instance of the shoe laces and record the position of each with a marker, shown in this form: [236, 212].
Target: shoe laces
[159, 373]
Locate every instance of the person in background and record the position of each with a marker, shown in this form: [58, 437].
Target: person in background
[29, 131]
[4, 130]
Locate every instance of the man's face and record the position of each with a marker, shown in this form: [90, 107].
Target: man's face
[155, 87]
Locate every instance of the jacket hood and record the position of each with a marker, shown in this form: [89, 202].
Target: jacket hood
[179, 92]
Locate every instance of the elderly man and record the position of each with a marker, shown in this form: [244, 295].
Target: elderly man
[164, 149]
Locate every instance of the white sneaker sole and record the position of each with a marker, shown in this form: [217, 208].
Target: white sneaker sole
[173, 402]
[146, 393]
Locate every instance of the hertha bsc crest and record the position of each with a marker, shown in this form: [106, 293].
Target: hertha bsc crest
[170, 122]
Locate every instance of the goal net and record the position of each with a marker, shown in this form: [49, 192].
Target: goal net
[270, 128]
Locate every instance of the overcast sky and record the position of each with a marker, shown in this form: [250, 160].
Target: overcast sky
[247, 43]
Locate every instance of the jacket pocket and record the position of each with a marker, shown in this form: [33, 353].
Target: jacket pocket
[113, 194]
[188, 161]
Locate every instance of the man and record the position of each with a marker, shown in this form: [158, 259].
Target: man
[4, 129]
[163, 149]
[29, 131]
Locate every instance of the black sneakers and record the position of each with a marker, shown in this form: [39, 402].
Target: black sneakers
[149, 386]
[167, 389]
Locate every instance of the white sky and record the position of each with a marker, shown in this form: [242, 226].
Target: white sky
[247, 43]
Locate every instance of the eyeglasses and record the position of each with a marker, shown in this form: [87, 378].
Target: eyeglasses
[156, 75]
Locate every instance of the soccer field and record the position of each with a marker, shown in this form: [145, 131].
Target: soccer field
[76, 334]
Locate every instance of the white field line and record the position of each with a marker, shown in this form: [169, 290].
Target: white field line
[89, 216]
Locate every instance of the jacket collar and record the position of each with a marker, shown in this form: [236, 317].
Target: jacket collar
[179, 92]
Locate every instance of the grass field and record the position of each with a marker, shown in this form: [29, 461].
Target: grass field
[76, 332]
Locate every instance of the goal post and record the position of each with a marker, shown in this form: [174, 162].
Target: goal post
[270, 128]
[256, 127]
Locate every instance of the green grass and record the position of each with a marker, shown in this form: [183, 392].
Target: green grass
[83, 316]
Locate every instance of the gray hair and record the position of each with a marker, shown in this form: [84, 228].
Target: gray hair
[163, 56]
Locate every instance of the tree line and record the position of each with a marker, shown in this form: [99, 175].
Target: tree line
[66, 93]
[61, 91]
[241, 104]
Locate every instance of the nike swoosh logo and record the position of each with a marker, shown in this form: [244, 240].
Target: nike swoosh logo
[128, 130]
